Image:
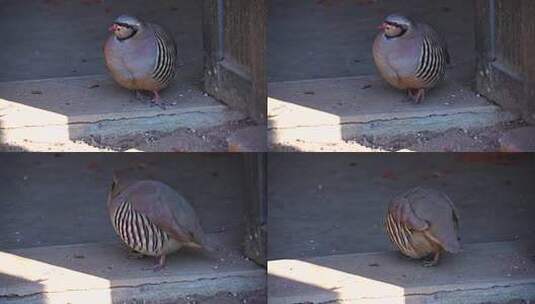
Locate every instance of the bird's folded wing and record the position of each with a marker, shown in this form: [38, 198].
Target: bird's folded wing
[440, 213]
[149, 200]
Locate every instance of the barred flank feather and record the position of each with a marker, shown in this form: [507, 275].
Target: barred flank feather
[433, 61]
[400, 235]
[164, 70]
[137, 232]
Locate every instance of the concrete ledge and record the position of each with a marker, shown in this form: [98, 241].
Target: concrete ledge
[101, 273]
[70, 108]
[327, 110]
[483, 272]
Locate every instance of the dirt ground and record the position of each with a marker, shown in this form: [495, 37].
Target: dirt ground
[181, 140]
[254, 297]
[516, 301]
[452, 140]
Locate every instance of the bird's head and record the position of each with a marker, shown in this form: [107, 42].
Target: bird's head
[121, 179]
[396, 25]
[125, 27]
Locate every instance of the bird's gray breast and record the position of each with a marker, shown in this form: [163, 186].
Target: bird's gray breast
[131, 59]
[397, 60]
[401, 56]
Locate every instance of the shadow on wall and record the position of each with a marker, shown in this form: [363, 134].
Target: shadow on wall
[39, 55]
[338, 38]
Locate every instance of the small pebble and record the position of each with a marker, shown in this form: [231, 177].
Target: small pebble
[373, 265]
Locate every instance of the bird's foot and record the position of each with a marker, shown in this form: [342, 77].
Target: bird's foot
[415, 95]
[157, 101]
[162, 105]
[432, 261]
[160, 265]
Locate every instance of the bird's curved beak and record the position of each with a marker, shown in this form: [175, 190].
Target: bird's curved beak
[112, 27]
[382, 26]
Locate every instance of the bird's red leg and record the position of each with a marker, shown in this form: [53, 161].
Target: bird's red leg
[409, 97]
[156, 97]
[420, 95]
[161, 263]
[434, 261]
[156, 100]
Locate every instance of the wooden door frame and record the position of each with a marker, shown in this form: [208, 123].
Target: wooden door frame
[495, 81]
[226, 80]
[255, 240]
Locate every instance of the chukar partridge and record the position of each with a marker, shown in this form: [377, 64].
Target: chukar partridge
[140, 55]
[410, 55]
[151, 218]
[423, 223]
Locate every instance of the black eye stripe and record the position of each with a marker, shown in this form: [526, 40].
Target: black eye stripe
[124, 25]
[393, 24]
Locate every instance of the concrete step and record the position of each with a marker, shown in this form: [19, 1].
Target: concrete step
[101, 273]
[337, 109]
[483, 272]
[62, 109]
